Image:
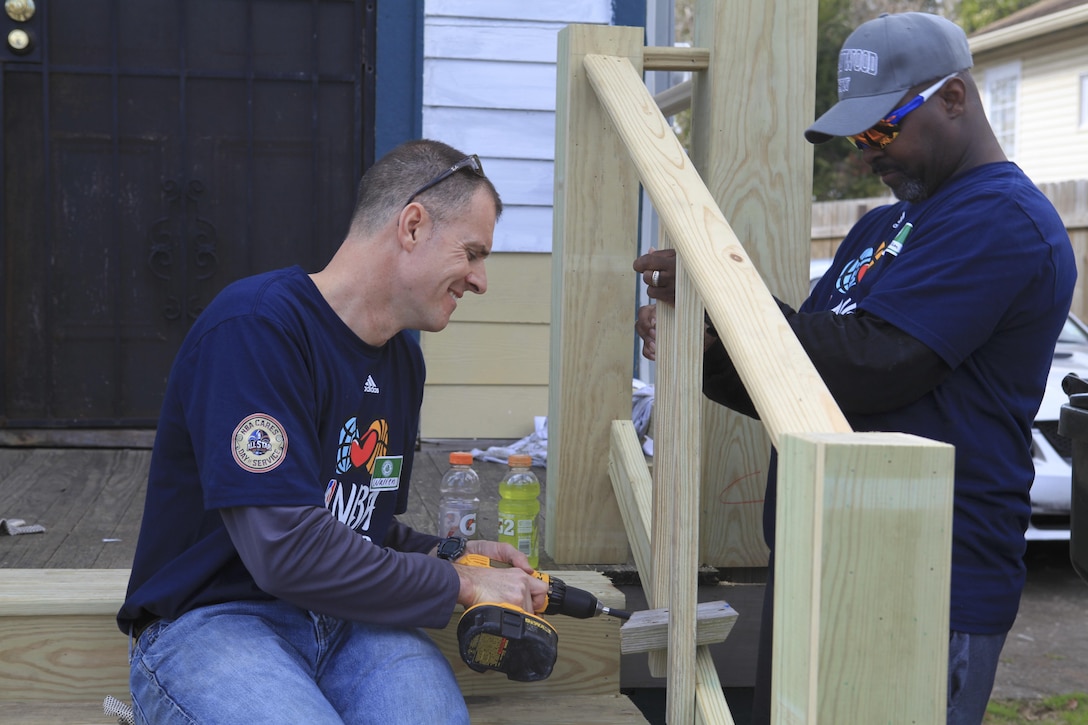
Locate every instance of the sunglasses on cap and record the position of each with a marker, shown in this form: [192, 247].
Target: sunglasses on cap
[886, 129]
[469, 162]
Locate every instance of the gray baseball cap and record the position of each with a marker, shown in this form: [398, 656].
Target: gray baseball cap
[881, 61]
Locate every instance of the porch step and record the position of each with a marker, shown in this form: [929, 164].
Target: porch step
[62, 649]
[483, 709]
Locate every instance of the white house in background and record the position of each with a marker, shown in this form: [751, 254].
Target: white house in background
[1032, 69]
[489, 86]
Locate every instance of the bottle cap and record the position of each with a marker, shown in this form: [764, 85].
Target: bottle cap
[460, 458]
[521, 460]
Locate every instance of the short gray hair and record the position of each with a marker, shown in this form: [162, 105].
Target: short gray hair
[387, 185]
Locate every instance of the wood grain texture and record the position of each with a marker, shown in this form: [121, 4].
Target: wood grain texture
[747, 144]
[710, 706]
[862, 578]
[89, 502]
[674, 543]
[596, 228]
[648, 630]
[61, 642]
[62, 657]
[785, 387]
[482, 709]
[567, 710]
[633, 488]
[675, 59]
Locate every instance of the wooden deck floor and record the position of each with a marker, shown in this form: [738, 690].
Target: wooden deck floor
[90, 501]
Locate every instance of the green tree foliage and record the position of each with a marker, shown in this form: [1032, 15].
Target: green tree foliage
[972, 15]
[838, 169]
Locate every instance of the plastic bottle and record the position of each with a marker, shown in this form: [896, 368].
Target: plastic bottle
[518, 507]
[459, 508]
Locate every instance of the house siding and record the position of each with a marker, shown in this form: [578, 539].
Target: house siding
[1051, 144]
[489, 80]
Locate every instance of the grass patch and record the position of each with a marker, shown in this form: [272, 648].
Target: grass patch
[1066, 709]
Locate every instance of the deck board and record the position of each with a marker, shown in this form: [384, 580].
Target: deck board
[484, 710]
[84, 499]
[90, 501]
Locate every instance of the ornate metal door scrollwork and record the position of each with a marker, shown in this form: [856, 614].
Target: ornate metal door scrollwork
[182, 231]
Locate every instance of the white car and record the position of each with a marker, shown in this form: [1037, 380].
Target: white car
[1052, 491]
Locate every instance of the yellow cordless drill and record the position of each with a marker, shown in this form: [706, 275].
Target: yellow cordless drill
[520, 644]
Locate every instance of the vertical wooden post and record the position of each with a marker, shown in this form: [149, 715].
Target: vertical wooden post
[594, 244]
[675, 533]
[862, 578]
[749, 112]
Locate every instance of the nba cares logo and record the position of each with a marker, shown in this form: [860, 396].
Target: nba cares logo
[360, 450]
[259, 443]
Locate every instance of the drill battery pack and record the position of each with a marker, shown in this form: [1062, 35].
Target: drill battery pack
[507, 639]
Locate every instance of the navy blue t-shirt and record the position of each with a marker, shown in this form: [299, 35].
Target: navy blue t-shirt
[272, 401]
[983, 274]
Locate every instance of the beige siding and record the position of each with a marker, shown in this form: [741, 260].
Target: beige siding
[1050, 144]
[489, 88]
[487, 373]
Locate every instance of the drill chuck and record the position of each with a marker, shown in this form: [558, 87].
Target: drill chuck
[577, 603]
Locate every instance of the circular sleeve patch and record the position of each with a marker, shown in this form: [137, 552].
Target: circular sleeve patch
[259, 443]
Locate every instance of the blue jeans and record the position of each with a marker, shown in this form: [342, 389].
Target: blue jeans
[271, 662]
[972, 665]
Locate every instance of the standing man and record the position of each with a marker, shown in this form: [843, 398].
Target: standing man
[938, 317]
[272, 582]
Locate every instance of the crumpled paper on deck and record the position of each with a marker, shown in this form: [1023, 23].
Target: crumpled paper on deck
[14, 527]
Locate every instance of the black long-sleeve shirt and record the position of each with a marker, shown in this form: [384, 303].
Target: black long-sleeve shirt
[856, 355]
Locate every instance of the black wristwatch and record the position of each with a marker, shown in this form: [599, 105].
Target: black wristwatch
[452, 548]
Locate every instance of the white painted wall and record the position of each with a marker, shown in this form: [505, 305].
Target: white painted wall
[489, 89]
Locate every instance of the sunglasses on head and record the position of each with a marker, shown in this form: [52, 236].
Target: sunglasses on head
[469, 162]
[886, 129]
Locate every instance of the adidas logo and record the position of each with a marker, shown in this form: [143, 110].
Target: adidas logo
[370, 386]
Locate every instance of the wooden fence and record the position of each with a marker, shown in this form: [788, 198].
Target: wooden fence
[831, 220]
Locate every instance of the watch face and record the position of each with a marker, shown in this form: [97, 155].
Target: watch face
[451, 548]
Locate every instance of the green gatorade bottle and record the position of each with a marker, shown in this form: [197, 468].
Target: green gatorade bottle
[518, 507]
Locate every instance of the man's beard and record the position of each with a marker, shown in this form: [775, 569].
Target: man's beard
[912, 190]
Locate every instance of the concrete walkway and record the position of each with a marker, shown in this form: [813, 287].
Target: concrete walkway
[1047, 650]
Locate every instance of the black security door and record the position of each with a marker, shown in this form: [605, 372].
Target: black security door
[154, 151]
